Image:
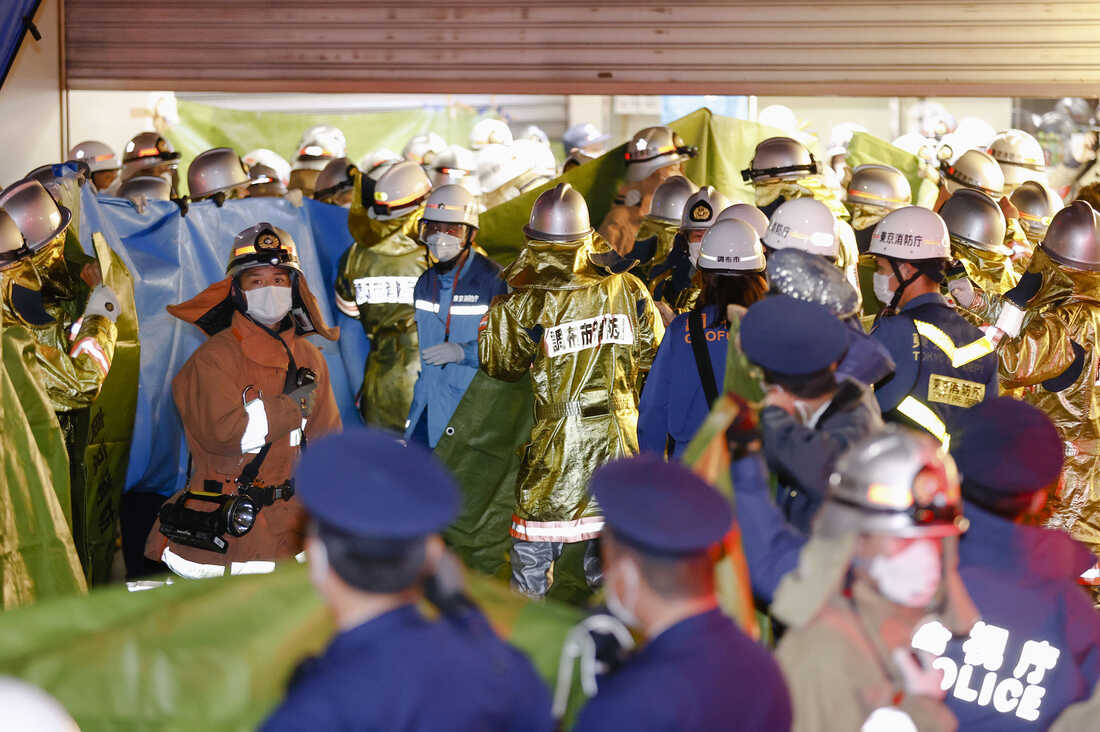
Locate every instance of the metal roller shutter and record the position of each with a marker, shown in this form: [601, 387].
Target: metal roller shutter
[981, 47]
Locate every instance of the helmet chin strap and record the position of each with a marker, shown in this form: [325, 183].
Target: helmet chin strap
[902, 284]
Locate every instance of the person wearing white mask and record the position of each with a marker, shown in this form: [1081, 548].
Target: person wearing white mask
[450, 299]
[810, 415]
[250, 398]
[664, 525]
[881, 562]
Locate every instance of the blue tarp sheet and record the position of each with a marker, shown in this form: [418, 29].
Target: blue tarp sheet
[172, 258]
[12, 30]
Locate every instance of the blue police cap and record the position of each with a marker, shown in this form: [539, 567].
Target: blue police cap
[366, 483]
[661, 508]
[1006, 446]
[792, 337]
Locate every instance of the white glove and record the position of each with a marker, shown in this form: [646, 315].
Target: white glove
[1011, 319]
[103, 301]
[443, 353]
[919, 678]
[963, 291]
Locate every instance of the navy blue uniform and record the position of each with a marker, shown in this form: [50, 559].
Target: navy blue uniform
[673, 403]
[401, 671]
[1022, 578]
[943, 365]
[446, 311]
[700, 674]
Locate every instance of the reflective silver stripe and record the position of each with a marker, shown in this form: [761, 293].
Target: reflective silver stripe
[469, 309]
[92, 348]
[254, 567]
[431, 307]
[346, 307]
[564, 531]
[296, 435]
[255, 432]
[187, 568]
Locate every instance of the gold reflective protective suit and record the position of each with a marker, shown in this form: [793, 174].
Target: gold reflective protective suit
[586, 339]
[665, 234]
[73, 358]
[620, 226]
[992, 274]
[810, 186]
[374, 284]
[1066, 310]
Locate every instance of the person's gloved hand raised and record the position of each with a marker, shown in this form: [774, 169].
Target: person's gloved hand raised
[443, 353]
[103, 301]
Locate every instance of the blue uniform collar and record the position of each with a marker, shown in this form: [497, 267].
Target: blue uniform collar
[384, 626]
[680, 635]
[929, 298]
[997, 543]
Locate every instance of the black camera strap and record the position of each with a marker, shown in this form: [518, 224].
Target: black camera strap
[251, 471]
[702, 356]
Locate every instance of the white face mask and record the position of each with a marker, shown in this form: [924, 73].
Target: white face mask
[881, 285]
[317, 557]
[444, 247]
[269, 305]
[622, 607]
[912, 576]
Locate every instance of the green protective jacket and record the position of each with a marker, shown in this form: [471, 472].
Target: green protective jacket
[374, 284]
[586, 338]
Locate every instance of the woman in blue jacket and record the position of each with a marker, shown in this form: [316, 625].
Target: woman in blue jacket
[450, 299]
[686, 377]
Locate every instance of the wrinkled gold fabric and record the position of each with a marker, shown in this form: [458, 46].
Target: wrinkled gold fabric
[993, 273]
[384, 249]
[1066, 308]
[71, 382]
[620, 226]
[585, 400]
[864, 216]
[666, 236]
[811, 186]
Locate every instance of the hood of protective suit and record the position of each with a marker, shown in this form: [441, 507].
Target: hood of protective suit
[212, 310]
[1062, 284]
[811, 186]
[556, 265]
[822, 574]
[663, 234]
[991, 272]
[398, 233]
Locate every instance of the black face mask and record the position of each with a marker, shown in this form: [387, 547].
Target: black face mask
[863, 239]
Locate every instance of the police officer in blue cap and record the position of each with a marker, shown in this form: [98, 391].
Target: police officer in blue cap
[697, 670]
[809, 417]
[1037, 648]
[374, 553]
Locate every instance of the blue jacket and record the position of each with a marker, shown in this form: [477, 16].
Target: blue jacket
[673, 403]
[439, 389]
[943, 364]
[1023, 580]
[702, 673]
[867, 360]
[401, 671]
[771, 545]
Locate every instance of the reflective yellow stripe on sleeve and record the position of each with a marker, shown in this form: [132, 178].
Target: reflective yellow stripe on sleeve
[926, 418]
[960, 356]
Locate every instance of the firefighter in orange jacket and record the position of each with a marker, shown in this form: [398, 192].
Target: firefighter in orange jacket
[250, 398]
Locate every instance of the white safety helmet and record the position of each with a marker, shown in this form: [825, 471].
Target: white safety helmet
[27, 707]
[731, 247]
[373, 159]
[667, 202]
[779, 116]
[422, 149]
[535, 134]
[748, 213]
[490, 132]
[917, 144]
[780, 158]
[97, 155]
[974, 169]
[841, 136]
[319, 145]
[803, 223]
[911, 234]
[497, 165]
[458, 166]
[1020, 156]
[536, 157]
[702, 208]
[270, 158]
